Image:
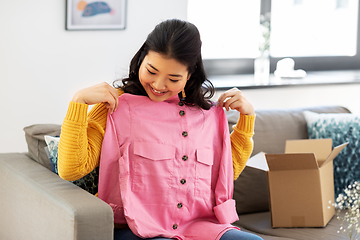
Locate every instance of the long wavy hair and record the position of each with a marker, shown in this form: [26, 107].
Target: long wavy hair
[179, 40]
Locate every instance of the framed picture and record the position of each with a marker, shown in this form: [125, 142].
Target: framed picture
[95, 15]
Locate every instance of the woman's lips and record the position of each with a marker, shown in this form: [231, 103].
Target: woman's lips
[156, 92]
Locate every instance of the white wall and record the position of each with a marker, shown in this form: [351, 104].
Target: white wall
[42, 65]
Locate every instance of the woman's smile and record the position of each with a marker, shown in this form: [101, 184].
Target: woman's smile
[156, 92]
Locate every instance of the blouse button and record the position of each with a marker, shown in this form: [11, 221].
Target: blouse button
[184, 158]
[182, 113]
[175, 226]
[185, 134]
[182, 181]
[181, 104]
[179, 205]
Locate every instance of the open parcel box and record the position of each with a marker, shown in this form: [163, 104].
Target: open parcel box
[301, 183]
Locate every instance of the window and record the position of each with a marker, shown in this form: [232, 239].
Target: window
[313, 28]
[317, 34]
[223, 25]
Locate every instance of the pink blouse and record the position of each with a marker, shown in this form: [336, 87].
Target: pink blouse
[166, 169]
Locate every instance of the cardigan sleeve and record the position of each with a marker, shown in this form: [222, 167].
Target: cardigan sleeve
[242, 143]
[81, 139]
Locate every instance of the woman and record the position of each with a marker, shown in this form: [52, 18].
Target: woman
[168, 67]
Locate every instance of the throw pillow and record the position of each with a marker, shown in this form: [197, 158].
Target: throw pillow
[251, 191]
[340, 128]
[89, 182]
[52, 150]
[251, 188]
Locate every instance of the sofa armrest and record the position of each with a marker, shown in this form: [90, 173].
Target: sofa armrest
[37, 204]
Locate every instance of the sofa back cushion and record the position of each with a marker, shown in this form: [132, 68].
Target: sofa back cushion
[273, 127]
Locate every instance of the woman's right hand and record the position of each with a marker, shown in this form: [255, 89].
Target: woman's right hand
[100, 93]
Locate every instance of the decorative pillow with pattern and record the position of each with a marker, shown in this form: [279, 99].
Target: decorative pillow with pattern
[88, 183]
[341, 128]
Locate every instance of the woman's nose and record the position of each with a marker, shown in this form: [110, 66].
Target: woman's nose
[159, 84]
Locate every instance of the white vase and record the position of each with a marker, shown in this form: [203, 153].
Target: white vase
[262, 69]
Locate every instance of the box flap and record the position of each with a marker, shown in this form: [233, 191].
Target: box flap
[258, 161]
[291, 161]
[334, 153]
[321, 147]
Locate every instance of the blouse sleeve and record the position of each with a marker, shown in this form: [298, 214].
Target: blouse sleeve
[242, 143]
[81, 139]
[225, 209]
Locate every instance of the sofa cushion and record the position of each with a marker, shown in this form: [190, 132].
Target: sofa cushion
[340, 128]
[251, 191]
[261, 223]
[34, 136]
[273, 127]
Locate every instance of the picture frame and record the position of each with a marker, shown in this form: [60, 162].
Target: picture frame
[95, 15]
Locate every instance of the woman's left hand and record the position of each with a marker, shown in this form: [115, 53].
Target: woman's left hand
[234, 99]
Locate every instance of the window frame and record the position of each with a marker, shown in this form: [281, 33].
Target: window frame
[246, 65]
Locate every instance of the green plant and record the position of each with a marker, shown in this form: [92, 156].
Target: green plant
[265, 32]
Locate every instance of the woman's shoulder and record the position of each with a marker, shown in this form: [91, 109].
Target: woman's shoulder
[216, 109]
[131, 102]
[218, 112]
[214, 113]
[131, 97]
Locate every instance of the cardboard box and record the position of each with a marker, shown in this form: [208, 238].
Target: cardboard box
[301, 183]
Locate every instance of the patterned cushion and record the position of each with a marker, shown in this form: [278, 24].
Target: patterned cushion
[341, 128]
[51, 150]
[88, 183]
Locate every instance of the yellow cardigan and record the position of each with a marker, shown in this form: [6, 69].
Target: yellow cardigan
[82, 134]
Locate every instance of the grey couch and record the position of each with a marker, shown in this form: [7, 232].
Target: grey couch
[37, 204]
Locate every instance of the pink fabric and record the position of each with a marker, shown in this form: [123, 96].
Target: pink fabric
[160, 181]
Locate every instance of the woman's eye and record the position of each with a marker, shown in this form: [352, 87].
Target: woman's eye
[174, 80]
[152, 73]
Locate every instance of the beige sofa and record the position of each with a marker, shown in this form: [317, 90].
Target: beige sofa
[37, 204]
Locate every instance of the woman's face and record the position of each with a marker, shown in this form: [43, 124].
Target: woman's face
[162, 77]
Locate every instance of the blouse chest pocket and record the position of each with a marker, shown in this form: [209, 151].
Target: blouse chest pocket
[152, 165]
[204, 163]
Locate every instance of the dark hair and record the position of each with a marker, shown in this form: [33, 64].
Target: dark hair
[179, 40]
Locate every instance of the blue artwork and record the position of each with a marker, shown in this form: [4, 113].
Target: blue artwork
[94, 8]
